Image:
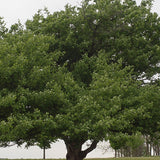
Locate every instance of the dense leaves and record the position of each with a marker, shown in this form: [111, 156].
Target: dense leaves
[76, 75]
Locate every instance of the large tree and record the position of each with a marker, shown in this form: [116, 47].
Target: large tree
[123, 29]
[75, 75]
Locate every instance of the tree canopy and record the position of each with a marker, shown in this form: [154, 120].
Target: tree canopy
[77, 75]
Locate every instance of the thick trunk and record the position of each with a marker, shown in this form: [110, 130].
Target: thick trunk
[74, 154]
[74, 151]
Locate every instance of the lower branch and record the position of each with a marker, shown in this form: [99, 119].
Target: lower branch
[91, 148]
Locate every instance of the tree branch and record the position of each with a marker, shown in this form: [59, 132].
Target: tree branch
[91, 148]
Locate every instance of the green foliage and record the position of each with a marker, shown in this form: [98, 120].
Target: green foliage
[75, 75]
[121, 140]
[123, 30]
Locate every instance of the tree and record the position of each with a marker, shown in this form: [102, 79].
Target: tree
[73, 75]
[128, 145]
[123, 29]
[63, 108]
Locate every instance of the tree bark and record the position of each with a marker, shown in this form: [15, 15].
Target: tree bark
[44, 153]
[74, 151]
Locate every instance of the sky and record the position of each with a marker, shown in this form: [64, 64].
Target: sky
[58, 150]
[14, 10]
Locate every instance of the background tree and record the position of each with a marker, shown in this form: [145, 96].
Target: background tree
[128, 145]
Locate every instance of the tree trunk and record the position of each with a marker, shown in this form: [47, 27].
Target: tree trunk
[115, 153]
[44, 153]
[74, 151]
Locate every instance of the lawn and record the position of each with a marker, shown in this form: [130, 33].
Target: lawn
[138, 158]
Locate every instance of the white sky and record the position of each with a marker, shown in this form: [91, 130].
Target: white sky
[58, 150]
[11, 11]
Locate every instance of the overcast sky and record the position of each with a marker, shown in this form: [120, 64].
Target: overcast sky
[11, 11]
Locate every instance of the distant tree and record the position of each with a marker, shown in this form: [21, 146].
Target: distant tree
[128, 145]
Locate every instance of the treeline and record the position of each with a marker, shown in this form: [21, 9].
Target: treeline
[138, 145]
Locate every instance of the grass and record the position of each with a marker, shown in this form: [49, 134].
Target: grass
[129, 158]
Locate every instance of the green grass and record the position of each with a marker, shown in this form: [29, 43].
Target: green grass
[138, 158]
